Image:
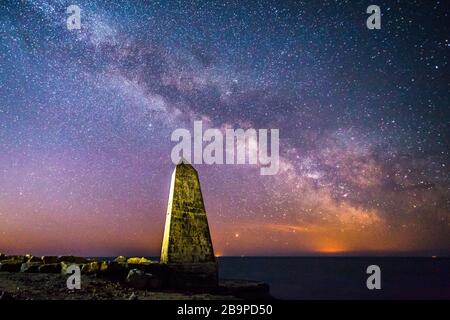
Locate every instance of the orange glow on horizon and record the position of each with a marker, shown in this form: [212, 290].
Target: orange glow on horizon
[332, 249]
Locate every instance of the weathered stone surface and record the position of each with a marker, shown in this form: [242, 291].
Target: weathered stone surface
[30, 267]
[113, 269]
[65, 265]
[139, 261]
[192, 275]
[73, 259]
[49, 259]
[33, 259]
[187, 247]
[121, 259]
[155, 268]
[10, 265]
[90, 267]
[133, 296]
[159, 270]
[16, 258]
[138, 279]
[133, 260]
[186, 234]
[50, 268]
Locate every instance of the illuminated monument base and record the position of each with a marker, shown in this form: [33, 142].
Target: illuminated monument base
[187, 248]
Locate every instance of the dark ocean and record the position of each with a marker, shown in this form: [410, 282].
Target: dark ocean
[343, 277]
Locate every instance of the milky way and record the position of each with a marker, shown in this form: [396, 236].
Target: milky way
[86, 118]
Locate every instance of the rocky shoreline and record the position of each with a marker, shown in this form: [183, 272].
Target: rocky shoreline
[44, 278]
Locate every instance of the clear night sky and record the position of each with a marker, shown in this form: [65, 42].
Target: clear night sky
[86, 117]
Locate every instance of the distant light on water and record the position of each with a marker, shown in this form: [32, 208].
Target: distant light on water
[332, 248]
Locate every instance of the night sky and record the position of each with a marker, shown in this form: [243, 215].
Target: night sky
[86, 118]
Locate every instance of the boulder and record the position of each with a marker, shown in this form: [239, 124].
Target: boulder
[113, 269]
[73, 259]
[10, 265]
[33, 259]
[120, 259]
[90, 267]
[49, 259]
[30, 267]
[133, 296]
[158, 270]
[138, 279]
[21, 259]
[65, 265]
[50, 268]
[139, 261]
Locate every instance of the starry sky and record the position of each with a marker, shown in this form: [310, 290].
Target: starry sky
[86, 118]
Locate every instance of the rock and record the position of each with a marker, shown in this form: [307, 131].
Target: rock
[138, 261]
[10, 265]
[30, 267]
[192, 275]
[73, 259]
[104, 266]
[133, 260]
[21, 259]
[33, 259]
[133, 296]
[156, 268]
[65, 265]
[50, 268]
[137, 279]
[113, 269]
[49, 259]
[2, 256]
[120, 259]
[90, 267]
[146, 261]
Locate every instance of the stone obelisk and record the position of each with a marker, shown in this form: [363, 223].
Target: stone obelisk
[187, 247]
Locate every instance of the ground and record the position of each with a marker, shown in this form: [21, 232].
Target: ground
[40, 286]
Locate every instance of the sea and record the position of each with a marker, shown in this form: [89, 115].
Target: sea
[342, 278]
[337, 278]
